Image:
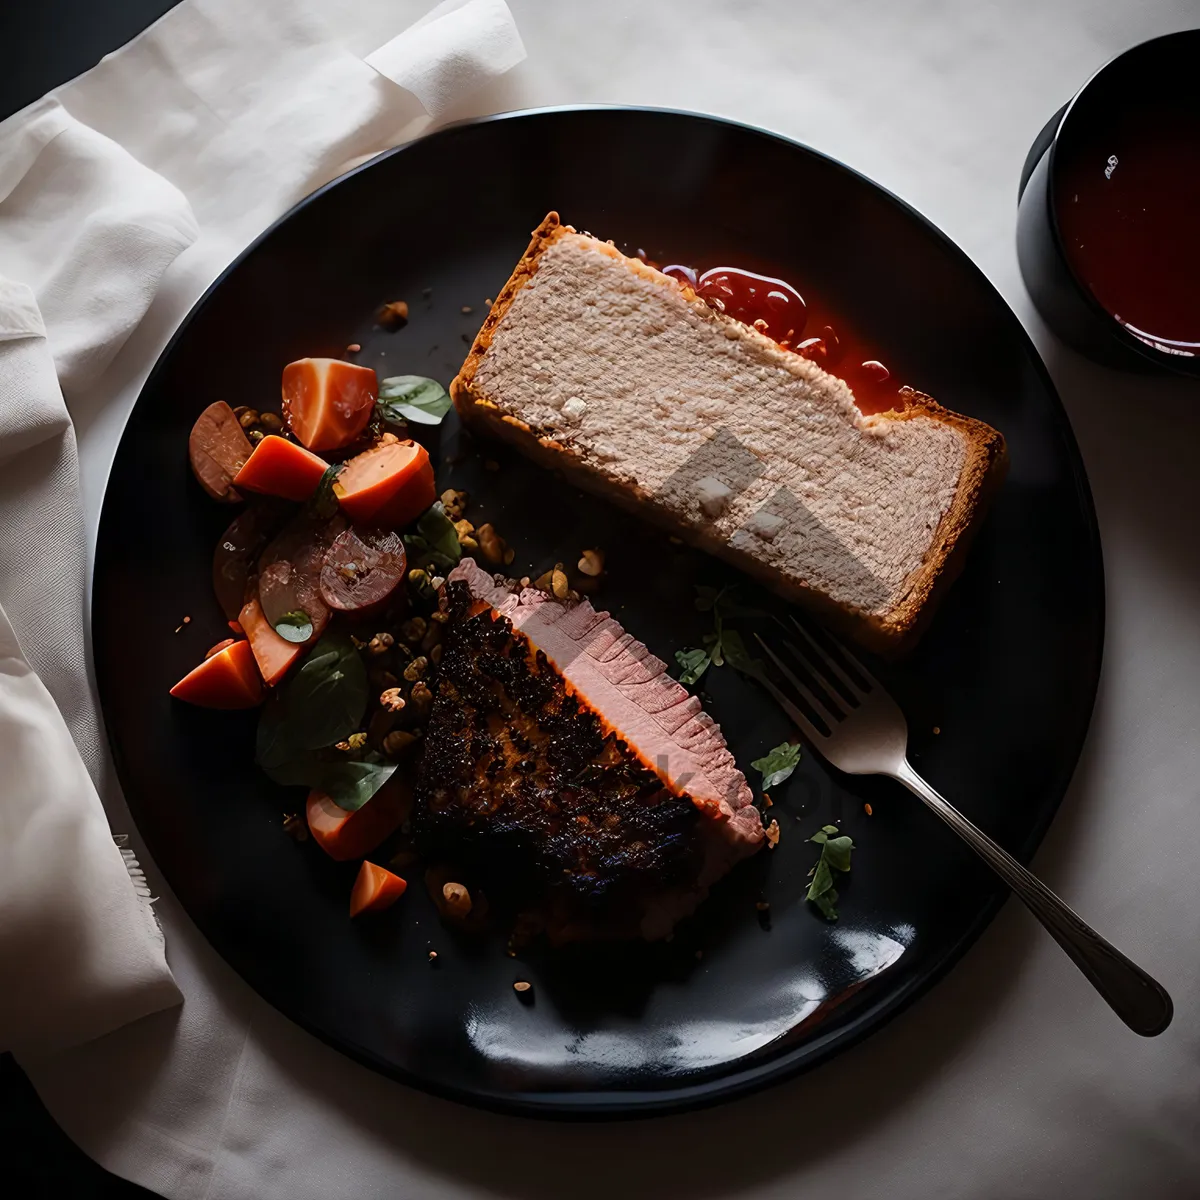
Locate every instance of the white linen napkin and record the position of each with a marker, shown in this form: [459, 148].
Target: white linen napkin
[124, 194]
[1011, 1078]
[90, 232]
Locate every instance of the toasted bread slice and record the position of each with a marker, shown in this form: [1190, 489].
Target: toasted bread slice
[601, 366]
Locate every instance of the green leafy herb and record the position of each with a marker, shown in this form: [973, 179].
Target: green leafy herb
[320, 705]
[295, 626]
[420, 588]
[835, 856]
[324, 502]
[723, 602]
[434, 541]
[714, 651]
[412, 398]
[776, 765]
[273, 746]
[326, 698]
[348, 782]
[694, 664]
[734, 651]
[351, 783]
[725, 645]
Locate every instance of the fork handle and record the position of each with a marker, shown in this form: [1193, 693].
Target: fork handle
[1140, 1001]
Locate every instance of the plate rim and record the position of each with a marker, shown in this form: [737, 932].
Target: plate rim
[594, 1105]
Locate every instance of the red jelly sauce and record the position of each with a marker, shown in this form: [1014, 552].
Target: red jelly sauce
[777, 309]
[1127, 197]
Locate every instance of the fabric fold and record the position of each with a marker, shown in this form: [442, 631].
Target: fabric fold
[451, 52]
[122, 196]
[89, 230]
[80, 950]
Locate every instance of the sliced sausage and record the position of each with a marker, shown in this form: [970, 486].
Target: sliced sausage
[218, 448]
[362, 570]
[289, 571]
[281, 591]
[240, 545]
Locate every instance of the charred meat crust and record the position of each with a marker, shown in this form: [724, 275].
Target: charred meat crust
[522, 784]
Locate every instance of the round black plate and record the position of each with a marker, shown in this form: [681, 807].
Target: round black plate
[1007, 672]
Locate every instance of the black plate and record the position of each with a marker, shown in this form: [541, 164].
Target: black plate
[1008, 671]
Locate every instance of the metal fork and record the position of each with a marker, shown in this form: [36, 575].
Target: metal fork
[868, 735]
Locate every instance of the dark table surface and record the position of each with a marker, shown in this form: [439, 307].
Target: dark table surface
[45, 43]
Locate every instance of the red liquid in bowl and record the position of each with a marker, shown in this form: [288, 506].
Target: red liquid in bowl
[1127, 198]
[776, 309]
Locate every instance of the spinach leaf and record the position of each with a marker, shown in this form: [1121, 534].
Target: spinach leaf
[326, 698]
[412, 398]
[777, 764]
[726, 645]
[835, 856]
[348, 782]
[320, 705]
[434, 541]
[294, 626]
[323, 503]
[734, 651]
[351, 783]
[273, 749]
[694, 664]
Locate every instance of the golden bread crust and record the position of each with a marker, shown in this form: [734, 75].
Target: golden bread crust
[892, 633]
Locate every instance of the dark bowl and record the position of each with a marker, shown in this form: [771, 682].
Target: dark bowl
[1065, 301]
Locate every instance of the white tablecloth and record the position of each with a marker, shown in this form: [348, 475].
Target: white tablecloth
[1011, 1079]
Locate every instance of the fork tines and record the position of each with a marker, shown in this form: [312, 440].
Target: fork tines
[829, 692]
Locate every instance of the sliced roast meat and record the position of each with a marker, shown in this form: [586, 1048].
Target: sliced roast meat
[289, 571]
[569, 773]
[281, 591]
[236, 552]
[218, 448]
[362, 570]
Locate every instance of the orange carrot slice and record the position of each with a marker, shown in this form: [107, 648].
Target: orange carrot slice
[345, 835]
[391, 484]
[227, 679]
[274, 655]
[281, 468]
[220, 646]
[327, 402]
[375, 889]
